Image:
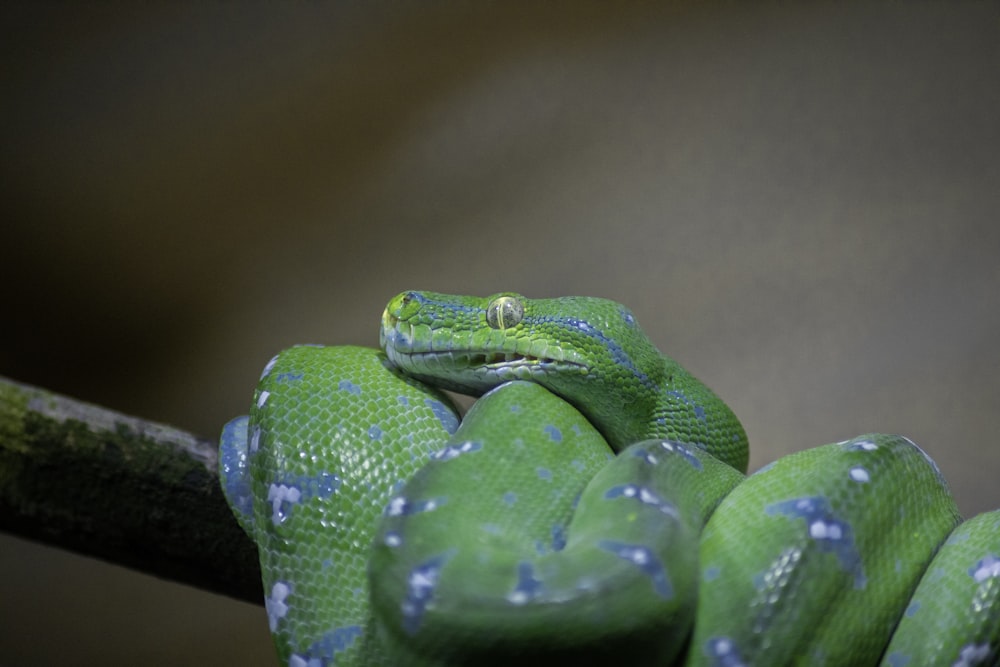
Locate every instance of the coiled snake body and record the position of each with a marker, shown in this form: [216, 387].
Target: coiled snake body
[591, 508]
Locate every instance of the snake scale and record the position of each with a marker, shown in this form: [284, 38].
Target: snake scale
[591, 508]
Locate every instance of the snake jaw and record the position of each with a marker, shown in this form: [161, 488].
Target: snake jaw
[463, 367]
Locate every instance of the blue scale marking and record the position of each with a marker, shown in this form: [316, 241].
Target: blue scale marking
[613, 348]
[269, 367]
[510, 498]
[554, 433]
[672, 446]
[233, 454]
[324, 651]
[349, 387]
[528, 587]
[641, 494]
[544, 473]
[645, 560]
[828, 532]
[447, 418]
[321, 485]
[985, 568]
[699, 411]
[374, 432]
[724, 652]
[644, 454]
[400, 506]
[454, 451]
[420, 585]
[288, 376]
[558, 537]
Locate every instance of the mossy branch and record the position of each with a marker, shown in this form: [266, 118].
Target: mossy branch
[132, 492]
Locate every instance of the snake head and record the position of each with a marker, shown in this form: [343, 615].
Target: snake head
[588, 350]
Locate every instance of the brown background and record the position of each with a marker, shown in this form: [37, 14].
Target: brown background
[799, 203]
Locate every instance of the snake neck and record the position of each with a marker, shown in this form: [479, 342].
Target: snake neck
[687, 411]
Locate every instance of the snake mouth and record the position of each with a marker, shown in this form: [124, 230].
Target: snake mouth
[471, 360]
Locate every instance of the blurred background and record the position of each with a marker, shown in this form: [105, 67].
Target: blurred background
[799, 203]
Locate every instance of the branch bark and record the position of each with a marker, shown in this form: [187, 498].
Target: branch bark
[129, 491]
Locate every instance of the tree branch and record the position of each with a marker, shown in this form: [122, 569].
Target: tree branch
[136, 493]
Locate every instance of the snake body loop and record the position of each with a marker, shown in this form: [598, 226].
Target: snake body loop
[589, 509]
[844, 544]
[614, 539]
[332, 431]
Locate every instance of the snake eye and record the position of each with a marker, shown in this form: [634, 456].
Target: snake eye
[504, 312]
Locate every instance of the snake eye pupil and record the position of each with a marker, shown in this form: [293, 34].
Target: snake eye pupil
[504, 312]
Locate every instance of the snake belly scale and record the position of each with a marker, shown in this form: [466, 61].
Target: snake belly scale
[590, 508]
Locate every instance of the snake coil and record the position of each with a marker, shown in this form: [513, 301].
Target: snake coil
[590, 507]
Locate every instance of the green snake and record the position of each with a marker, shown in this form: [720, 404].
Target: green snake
[590, 508]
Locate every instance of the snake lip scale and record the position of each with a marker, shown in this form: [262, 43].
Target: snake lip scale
[462, 359]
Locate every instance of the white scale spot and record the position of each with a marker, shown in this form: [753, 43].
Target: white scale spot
[277, 494]
[859, 474]
[636, 555]
[451, 452]
[397, 505]
[297, 661]
[254, 439]
[725, 652]
[275, 604]
[820, 530]
[973, 654]
[517, 597]
[647, 497]
[268, 367]
[421, 581]
[989, 567]
[393, 539]
[262, 399]
[866, 445]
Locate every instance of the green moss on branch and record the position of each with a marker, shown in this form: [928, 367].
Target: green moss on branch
[132, 492]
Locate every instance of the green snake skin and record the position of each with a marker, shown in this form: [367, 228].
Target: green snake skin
[590, 509]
